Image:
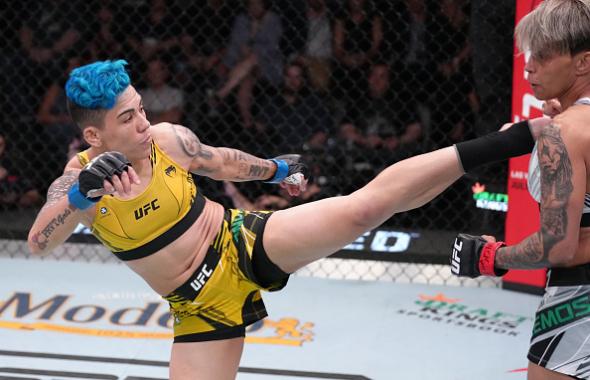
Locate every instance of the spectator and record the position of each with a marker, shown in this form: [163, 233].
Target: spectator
[46, 35]
[62, 136]
[158, 33]
[294, 117]
[15, 190]
[207, 29]
[383, 127]
[262, 202]
[453, 100]
[414, 70]
[161, 101]
[317, 51]
[106, 43]
[253, 53]
[358, 36]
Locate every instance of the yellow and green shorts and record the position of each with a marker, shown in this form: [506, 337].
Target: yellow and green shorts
[222, 296]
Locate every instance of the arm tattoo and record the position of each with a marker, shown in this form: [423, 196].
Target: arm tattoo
[556, 188]
[248, 166]
[60, 187]
[189, 142]
[41, 239]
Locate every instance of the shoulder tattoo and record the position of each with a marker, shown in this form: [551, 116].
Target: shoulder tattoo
[190, 143]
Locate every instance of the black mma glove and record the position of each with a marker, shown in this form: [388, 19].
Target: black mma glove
[88, 189]
[473, 256]
[290, 169]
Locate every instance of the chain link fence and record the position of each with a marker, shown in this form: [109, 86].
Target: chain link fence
[355, 85]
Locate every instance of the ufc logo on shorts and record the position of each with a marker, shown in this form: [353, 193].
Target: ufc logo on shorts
[202, 277]
[455, 260]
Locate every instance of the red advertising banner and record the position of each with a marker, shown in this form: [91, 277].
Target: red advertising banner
[523, 212]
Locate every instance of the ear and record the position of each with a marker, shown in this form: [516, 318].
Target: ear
[92, 135]
[583, 63]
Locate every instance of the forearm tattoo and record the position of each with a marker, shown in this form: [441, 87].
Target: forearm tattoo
[556, 189]
[41, 239]
[248, 166]
[60, 187]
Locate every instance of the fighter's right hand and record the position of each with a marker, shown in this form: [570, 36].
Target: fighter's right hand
[474, 256]
[552, 108]
[105, 174]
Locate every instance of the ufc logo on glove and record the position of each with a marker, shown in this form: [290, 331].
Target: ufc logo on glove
[455, 259]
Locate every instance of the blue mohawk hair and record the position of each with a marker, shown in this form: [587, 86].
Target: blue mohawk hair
[98, 84]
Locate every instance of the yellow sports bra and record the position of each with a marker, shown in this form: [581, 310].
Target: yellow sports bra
[138, 227]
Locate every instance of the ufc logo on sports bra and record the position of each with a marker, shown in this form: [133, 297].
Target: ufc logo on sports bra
[145, 209]
[202, 277]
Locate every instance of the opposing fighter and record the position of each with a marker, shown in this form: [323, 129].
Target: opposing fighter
[557, 36]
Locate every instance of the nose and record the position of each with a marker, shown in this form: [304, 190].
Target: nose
[530, 65]
[143, 124]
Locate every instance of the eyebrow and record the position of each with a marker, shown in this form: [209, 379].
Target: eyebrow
[126, 111]
[130, 109]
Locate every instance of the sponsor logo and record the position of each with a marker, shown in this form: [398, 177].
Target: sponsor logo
[202, 277]
[561, 314]
[383, 241]
[103, 210]
[170, 171]
[146, 320]
[285, 332]
[449, 311]
[489, 201]
[145, 209]
[456, 260]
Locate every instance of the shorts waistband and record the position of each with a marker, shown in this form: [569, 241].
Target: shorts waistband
[193, 286]
[578, 275]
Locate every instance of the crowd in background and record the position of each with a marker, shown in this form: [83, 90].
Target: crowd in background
[355, 85]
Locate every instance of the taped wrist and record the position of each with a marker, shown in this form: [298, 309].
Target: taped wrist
[281, 172]
[78, 200]
[487, 258]
[497, 146]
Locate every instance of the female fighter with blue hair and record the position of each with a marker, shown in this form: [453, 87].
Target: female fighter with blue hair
[134, 189]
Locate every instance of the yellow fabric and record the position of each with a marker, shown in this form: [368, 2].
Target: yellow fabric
[228, 296]
[122, 225]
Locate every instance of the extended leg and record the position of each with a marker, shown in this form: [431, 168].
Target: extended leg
[297, 236]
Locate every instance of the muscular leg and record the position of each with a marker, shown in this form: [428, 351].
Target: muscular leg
[213, 360]
[539, 373]
[297, 236]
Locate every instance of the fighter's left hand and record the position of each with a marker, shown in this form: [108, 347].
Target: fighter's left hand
[294, 184]
[292, 173]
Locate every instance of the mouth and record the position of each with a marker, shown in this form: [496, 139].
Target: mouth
[147, 140]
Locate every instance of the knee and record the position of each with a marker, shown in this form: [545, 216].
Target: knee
[364, 213]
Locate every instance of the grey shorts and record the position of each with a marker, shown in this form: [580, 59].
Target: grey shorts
[561, 332]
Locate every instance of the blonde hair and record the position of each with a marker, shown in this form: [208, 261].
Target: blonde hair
[555, 27]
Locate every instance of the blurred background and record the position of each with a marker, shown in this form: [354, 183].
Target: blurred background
[354, 85]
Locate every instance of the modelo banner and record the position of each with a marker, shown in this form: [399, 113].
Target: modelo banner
[522, 219]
